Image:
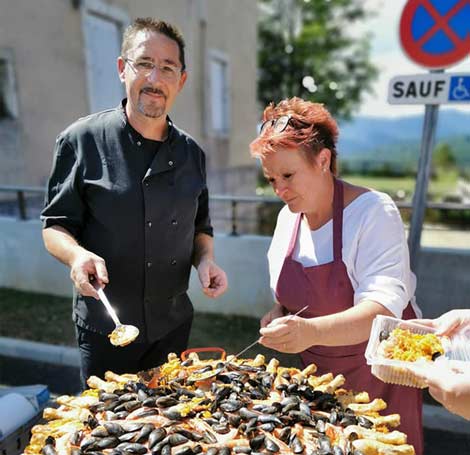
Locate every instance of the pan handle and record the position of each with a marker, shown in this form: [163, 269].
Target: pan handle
[184, 354]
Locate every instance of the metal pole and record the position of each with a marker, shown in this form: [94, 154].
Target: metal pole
[21, 205]
[421, 188]
[234, 218]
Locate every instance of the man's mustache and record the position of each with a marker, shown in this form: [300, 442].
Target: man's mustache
[156, 91]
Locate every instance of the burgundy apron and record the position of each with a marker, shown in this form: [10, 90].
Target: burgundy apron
[327, 289]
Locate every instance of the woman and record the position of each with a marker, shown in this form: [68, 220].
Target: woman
[337, 248]
[449, 381]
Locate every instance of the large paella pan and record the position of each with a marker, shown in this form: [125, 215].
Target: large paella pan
[223, 406]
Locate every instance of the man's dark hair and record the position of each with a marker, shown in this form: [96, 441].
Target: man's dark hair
[153, 25]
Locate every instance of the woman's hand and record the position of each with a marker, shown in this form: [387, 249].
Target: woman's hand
[277, 311]
[449, 323]
[291, 334]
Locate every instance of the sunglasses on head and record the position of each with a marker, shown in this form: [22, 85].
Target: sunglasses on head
[281, 123]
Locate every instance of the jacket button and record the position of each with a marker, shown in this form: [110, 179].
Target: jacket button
[173, 262]
[170, 163]
[139, 143]
[149, 223]
[149, 264]
[174, 222]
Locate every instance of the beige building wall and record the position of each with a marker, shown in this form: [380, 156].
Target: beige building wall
[46, 40]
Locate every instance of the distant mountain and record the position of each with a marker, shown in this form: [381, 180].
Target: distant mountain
[366, 134]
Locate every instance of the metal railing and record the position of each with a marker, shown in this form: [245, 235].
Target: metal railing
[234, 201]
[20, 196]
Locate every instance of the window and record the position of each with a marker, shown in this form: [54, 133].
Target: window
[103, 25]
[8, 101]
[219, 93]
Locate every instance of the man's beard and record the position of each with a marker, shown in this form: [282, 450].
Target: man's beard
[151, 109]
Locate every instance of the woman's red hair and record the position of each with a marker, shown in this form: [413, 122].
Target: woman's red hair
[312, 128]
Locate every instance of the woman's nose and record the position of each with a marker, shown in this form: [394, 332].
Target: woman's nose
[280, 190]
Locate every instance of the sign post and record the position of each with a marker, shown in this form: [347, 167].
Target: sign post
[422, 179]
[433, 34]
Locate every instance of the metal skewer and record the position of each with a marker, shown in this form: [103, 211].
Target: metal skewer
[257, 341]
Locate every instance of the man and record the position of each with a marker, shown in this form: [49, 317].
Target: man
[127, 208]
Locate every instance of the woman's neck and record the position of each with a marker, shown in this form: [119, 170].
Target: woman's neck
[323, 210]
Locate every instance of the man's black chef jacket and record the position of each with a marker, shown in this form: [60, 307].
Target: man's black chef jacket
[141, 222]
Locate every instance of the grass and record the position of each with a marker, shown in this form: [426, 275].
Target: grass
[444, 184]
[45, 318]
[36, 317]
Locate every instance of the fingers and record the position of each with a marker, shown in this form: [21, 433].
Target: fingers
[101, 274]
[426, 322]
[213, 279]
[277, 336]
[447, 325]
[437, 394]
[219, 284]
[82, 282]
[203, 273]
[85, 267]
[265, 320]
[277, 327]
[282, 343]
[443, 325]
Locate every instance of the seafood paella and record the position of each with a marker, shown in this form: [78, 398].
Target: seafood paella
[230, 406]
[402, 344]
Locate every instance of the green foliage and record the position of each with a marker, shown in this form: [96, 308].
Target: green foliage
[443, 157]
[301, 38]
[404, 156]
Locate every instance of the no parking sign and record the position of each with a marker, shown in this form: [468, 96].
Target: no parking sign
[436, 33]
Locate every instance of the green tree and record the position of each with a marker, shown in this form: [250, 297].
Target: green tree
[443, 156]
[306, 49]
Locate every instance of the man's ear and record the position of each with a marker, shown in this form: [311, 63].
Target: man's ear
[184, 76]
[121, 66]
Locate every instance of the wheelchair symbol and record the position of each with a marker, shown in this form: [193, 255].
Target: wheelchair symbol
[459, 89]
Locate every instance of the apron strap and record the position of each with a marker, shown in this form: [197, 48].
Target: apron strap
[337, 220]
[293, 239]
[337, 223]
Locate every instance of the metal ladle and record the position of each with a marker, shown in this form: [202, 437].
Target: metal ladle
[123, 334]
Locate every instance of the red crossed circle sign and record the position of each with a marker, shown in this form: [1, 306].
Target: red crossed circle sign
[434, 39]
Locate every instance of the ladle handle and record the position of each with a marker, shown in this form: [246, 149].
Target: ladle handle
[108, 306]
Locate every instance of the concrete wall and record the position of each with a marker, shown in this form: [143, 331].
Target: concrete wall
[24, 264]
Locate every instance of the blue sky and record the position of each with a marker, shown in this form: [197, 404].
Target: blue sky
[392, 61]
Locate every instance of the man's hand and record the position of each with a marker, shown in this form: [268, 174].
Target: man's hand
[213, 279]
[83, 263]
[84, 266]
